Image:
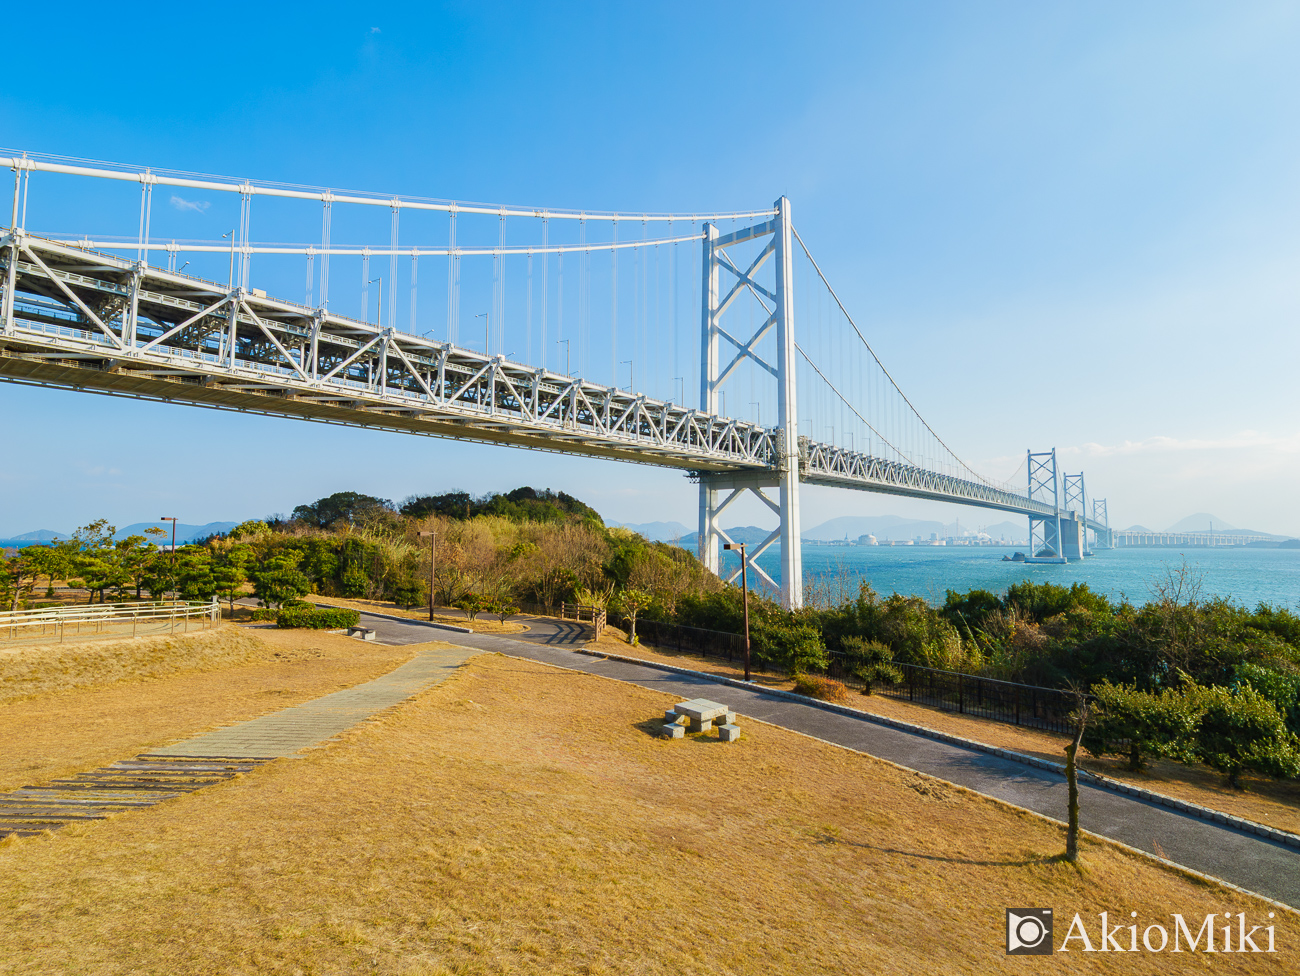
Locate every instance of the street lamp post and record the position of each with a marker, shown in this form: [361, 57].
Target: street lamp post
[487, 331]
[433, 551]
[744, 582]
[167, 518]
[568, 367]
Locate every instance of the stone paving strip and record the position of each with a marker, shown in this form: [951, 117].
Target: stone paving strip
[284, 734]
[184, 767]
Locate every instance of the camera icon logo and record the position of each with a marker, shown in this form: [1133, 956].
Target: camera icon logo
[1029, 931]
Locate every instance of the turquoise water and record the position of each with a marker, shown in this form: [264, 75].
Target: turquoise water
[1247, 576]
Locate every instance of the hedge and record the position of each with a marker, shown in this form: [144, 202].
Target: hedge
[324, 618]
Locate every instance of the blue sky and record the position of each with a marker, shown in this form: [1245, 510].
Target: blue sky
[1069, 225]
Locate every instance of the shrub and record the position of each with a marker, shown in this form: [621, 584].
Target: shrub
[1147, 723]
[265, 613]
[472, 604]
[815, 686]
[1239, 730]
[317, 618]
[1282, 688]
[354, 581]
[872, 663]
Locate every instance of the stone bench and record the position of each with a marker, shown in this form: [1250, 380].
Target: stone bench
[364, 633]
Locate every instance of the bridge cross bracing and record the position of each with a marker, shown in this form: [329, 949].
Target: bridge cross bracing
[78, 313]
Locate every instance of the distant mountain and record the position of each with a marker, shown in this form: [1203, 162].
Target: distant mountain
[1136, 528]
[184, 533]
[1201, 522]
[40, 535]
[656, 531]
[751, 535]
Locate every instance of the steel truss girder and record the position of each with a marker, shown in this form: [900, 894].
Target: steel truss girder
[260, 354]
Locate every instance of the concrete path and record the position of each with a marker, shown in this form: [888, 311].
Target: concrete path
[1252, 862]
[285, 733]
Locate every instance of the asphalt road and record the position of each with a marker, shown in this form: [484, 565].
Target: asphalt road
[1252, 862]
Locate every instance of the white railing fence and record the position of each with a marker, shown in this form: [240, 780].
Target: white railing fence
[85, 621]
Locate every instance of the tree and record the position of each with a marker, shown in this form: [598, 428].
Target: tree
[472, 604]
[504, 609]
[194, 577]
[1081, 711]
[18, 577]
[872, 662]
[631, 602]
[347, 507]
[230, 563]
[278, 580]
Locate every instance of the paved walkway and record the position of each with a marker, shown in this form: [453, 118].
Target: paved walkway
[1243, 859]
[285, 733]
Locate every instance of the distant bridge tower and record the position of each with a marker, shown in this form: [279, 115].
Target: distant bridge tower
[1045, 530]
[1076, 504]
[779, 304]
[1105, 539]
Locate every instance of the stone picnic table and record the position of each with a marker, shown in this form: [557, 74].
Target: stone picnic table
[701, 714]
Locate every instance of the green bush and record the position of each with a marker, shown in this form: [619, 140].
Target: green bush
[871, 662]
[265, 613]
[317, 618]
[1241, 729]
[1145, 723]
[354, 581]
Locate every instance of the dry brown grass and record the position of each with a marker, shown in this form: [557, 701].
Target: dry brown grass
[824, 689]
[200, 683]
[1275, 803]
[485, 624]
[523, 819]
[28, 671]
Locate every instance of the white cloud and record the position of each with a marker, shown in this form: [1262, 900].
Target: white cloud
[180, 203]
[375, 30]
[1244, 440]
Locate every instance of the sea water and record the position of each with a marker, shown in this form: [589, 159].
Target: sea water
[1245, 576]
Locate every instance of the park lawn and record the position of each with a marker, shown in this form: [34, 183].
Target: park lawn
[1274, 803]
[71, 707]
[521, 818]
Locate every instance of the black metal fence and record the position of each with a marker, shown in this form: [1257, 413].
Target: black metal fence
[679, 637]
[1031, 706]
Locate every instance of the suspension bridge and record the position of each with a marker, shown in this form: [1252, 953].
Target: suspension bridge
[114, 314]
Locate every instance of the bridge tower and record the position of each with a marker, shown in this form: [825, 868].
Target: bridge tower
[1045, 537]
[1099, 514]
[1076, 505]
[779, 305]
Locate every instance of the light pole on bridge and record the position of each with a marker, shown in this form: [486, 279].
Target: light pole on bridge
[379, 309]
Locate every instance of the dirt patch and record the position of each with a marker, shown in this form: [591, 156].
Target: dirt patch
[514, 820]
